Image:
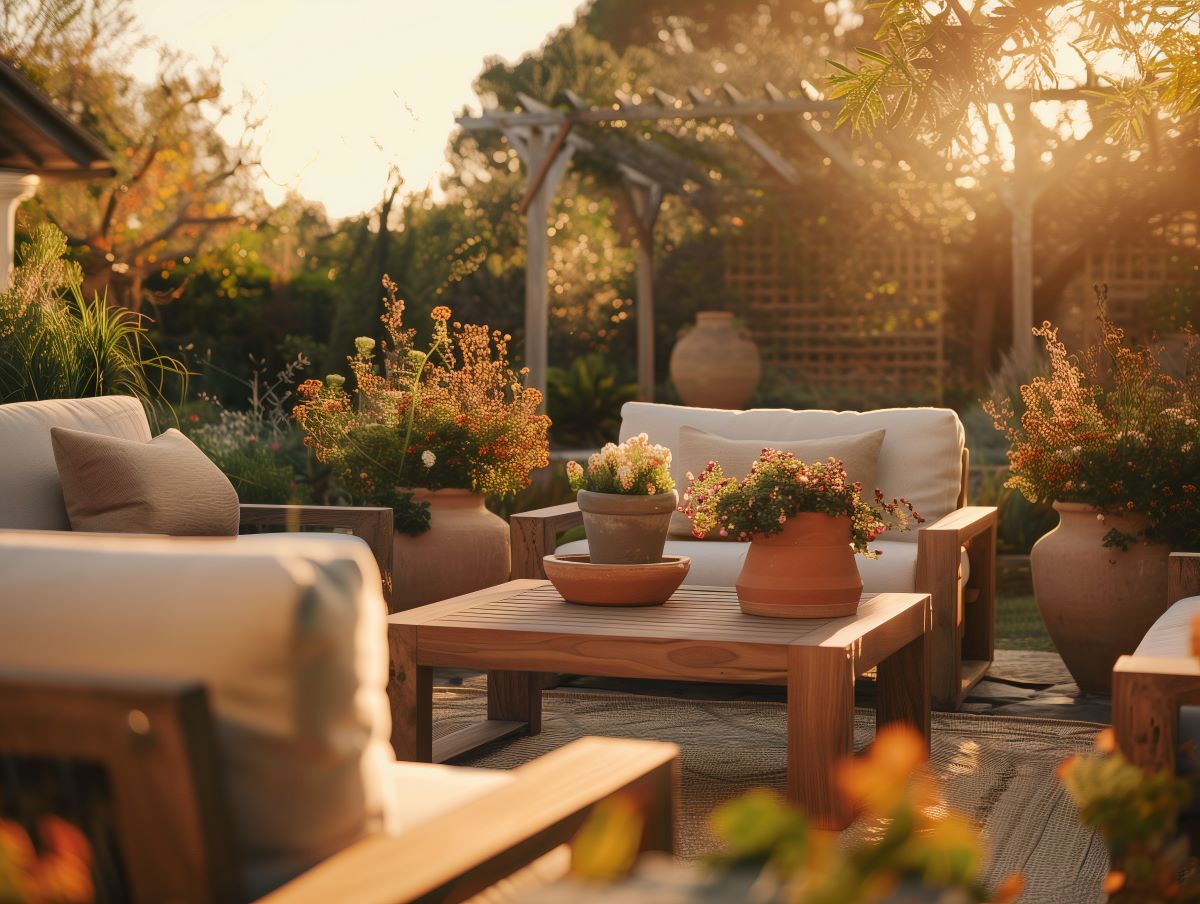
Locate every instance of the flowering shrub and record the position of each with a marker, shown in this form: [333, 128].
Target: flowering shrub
[634, 468]
[452, 416]
[1109, 429]
[779, 486]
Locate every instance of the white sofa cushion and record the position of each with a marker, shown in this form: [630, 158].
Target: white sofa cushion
[718, 564]
[30, 493]
[420, 791]
[920, 459]
[288, 638]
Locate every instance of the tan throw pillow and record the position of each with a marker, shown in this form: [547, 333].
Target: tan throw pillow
[858, 452]
[165, 486]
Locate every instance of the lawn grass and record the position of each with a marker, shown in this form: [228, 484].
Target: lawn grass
[1018, 624]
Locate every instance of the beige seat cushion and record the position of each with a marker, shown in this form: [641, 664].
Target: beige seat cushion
[417, 792]
[718, 564]
[920, 459]
[288, 638]
[30, 494]
[164, 486]
[858, 452]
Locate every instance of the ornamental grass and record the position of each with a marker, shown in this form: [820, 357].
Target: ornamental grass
[454, 415]
[1109, 428]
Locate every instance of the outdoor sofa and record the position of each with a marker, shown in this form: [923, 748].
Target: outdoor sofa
[31, 494]
[922, 457]
[1156, 691]
[234, 696]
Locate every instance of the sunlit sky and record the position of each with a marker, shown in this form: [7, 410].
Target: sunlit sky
[351, 87]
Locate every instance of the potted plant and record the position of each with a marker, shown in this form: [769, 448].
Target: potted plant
[626, 495]
[430, 434]
[804, 522]
[1114, 443]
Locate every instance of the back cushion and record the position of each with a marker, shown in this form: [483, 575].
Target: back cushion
[30, 493]
[920, 459]
[288, 639]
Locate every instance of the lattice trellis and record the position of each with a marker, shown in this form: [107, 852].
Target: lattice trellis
[857, 329]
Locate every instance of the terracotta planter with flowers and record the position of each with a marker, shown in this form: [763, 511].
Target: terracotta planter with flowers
[627, 497]
[804, 522]
[1114, 440]
[807, 567]
[430, 433]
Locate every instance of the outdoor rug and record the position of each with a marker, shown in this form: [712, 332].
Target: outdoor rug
[999, 771]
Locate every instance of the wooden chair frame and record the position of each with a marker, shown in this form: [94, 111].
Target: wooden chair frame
[964, 617]
[156, 742]
[1149, 691]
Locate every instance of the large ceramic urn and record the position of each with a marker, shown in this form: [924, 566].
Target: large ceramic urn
[807, 570]
[465, 549]
[1098, 602]
[715, 364]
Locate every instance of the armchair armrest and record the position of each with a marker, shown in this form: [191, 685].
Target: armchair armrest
[1147, 694]
[372, 524]
[1183, 576]
[465, 850]
[533, 536]
[964, 641]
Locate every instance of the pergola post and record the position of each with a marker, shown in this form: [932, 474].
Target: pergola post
[546, 157]
[646, 196]
[15, 187]
[1024, 196]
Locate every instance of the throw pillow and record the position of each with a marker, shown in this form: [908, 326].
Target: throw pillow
[165, 486]
[858, 452]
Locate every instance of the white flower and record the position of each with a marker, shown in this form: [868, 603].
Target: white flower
[428, 458]
[365, 345]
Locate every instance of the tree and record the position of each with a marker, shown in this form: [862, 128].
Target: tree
[178, 182]
[936, 69]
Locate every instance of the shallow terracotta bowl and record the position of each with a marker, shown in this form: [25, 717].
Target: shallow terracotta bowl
[579, 581]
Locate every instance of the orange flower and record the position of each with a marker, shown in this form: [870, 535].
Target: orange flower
[441, 312]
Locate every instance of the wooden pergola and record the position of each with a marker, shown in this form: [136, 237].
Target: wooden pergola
[547, 138]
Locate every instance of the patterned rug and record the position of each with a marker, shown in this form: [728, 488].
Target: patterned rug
[999, 771]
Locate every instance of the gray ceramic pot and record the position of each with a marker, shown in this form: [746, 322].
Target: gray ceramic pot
[626, 530]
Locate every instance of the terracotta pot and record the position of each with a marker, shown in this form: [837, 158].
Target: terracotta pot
[626, 530]
[1097, 603]
[466, 548]
[715, 365]
[807, 570]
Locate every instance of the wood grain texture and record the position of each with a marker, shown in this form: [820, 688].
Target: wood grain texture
[902, 688]
[450, 747]
[515, 696]
[372, 524]
[469, 848]
[939, 550]
[1147, 694]
[820, 707]
[1183, 576]
[534, 535]
[155, 741]
[410, 694]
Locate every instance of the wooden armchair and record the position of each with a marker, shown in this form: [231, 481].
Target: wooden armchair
[1150, 691]
[963, 640]
[170, 837]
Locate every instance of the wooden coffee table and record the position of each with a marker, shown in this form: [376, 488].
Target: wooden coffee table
[522, 628]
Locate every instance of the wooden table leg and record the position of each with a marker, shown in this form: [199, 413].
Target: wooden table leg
[410, 693]
[516, 697]
[820, 701]
[902, 687]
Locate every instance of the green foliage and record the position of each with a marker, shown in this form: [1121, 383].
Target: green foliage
[259, 449]
[584, 401]
[1136, 812]
[56, 344]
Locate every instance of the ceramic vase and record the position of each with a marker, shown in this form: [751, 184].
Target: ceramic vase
[465, 549]
[1097, 602]
[626, 530]
[807, 570]
[715, 365]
